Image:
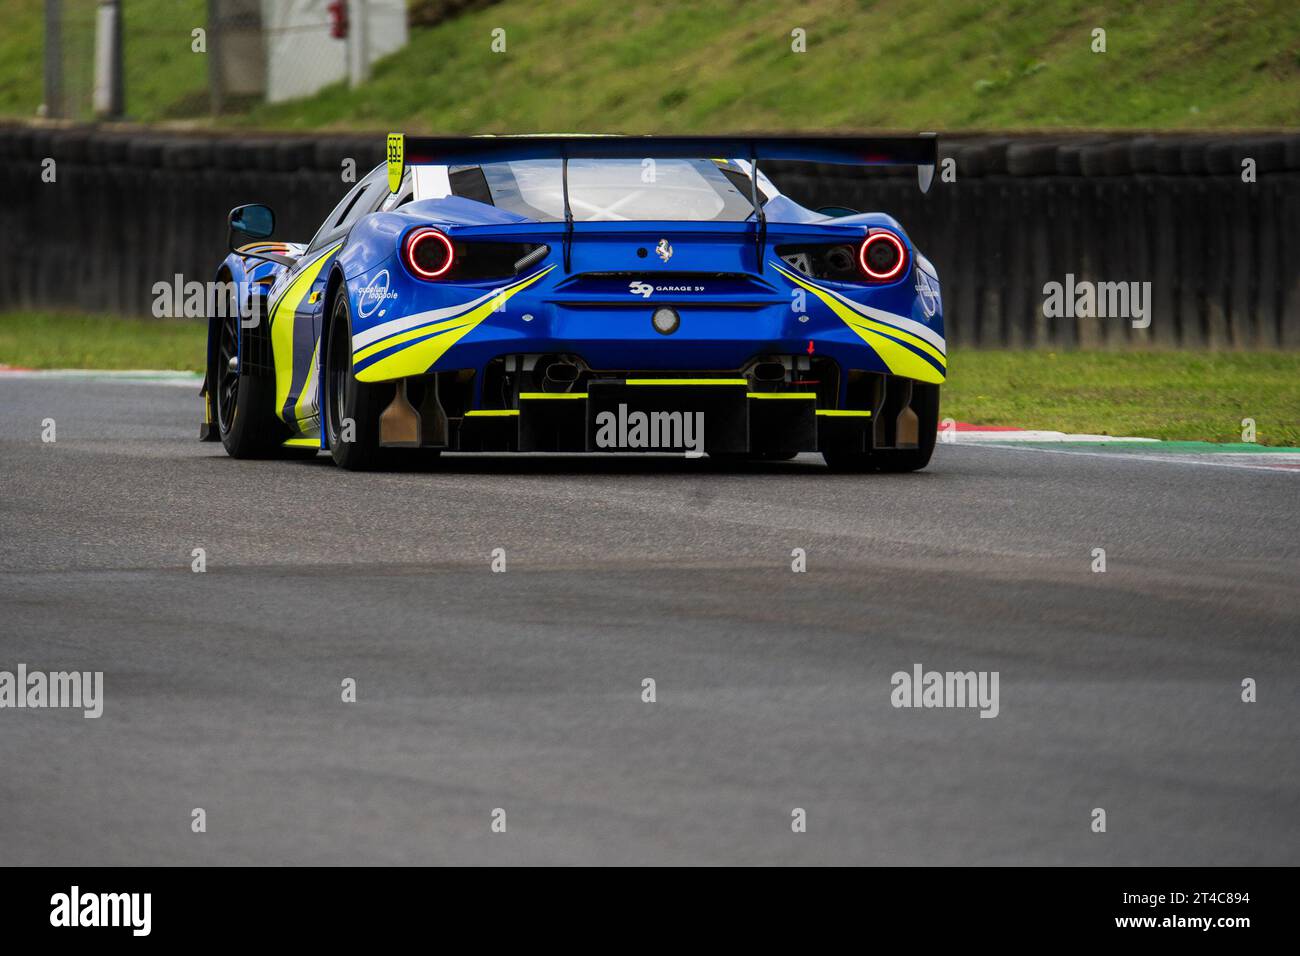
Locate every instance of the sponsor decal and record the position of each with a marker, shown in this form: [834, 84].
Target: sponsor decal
[645, 289]
[375, 294]
[927, 293]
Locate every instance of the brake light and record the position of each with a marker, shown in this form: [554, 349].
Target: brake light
[428, 253]
[882, 256]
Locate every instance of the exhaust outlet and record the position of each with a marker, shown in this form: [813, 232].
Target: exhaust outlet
[769, 372]
[559, 376]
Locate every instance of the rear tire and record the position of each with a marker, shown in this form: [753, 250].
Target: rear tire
[246, 419]
[346, 399]
[925, 402]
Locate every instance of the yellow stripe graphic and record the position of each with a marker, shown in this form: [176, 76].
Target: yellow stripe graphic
[301, 407]
[282, 322]
[418, 358]
[899, 360]
[446, 325]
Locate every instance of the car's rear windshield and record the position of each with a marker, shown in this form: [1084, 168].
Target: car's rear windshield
[700, 190]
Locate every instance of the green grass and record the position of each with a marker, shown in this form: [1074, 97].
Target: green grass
[47, 340]
[645, 66]
[641, 66]
[1195, 396]
[1171, 395]
[165, 79]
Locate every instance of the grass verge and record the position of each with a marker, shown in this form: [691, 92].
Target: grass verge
[1194, 396]
[706, 66]
[52, 340]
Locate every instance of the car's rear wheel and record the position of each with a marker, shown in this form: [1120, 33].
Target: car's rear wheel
[246, 419]
[351, 407]
[925, 403]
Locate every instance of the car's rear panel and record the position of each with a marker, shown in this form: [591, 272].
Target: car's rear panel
[777, 361]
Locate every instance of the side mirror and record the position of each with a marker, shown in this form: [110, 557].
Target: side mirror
[255, 221]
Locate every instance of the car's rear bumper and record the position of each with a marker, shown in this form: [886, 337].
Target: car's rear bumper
[713, 415]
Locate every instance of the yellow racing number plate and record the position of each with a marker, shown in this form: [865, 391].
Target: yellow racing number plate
[396, 160]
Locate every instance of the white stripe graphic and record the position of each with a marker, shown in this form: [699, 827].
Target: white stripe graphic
[309, 386]
[883, 317]
[361, 339]
[393, 326]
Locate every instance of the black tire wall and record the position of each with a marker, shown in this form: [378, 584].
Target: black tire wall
[133, 208]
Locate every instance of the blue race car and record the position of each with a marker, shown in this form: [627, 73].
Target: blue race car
[569, 294]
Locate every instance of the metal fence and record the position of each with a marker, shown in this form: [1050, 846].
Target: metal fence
[186, 59]
[1002, 220]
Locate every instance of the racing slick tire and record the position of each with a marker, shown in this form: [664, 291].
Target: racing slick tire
[346, 399]
[925, 403]
[246, 420]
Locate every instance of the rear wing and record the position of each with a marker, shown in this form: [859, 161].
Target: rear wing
[920, 151]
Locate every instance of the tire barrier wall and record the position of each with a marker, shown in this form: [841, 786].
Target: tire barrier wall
[129, 209]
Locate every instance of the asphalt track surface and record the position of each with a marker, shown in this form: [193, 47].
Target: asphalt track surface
[522, 690]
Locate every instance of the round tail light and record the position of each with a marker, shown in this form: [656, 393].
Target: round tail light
[882, 256]
[428, 253]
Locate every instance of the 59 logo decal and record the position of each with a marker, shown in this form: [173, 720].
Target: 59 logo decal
[644, 289]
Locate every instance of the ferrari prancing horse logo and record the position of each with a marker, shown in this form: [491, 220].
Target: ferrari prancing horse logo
[664, 250]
